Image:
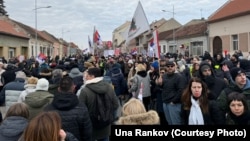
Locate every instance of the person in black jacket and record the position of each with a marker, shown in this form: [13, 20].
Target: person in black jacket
[172, 86]
[238, 113]
[215, 84]
[196, 108]
[74, 115]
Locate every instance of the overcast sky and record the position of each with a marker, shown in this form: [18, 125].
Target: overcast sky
[74, 20]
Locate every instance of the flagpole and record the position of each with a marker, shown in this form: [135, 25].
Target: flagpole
[94, 47]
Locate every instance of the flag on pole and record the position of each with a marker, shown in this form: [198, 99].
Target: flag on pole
[97, 39]
[139, 24]
[151, 48]
[90, 43]
[154, 47]
[157, 50]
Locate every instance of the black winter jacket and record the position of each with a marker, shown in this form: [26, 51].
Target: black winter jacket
[74, 115]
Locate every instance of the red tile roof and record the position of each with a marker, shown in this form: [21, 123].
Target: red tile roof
[192, 29]
[231, 9]
[9, 28]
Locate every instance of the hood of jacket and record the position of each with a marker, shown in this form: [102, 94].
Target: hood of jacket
[65, 101]
[97, 85]
[202, 64]
[142, 73]
[38, 99]
[13, 126]
[149, 118]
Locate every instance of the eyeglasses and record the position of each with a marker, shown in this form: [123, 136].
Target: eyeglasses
[170, 66]
[162, 72]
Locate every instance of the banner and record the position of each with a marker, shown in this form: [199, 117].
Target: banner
[139, 24]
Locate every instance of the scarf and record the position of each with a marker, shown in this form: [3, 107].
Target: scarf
[195, 116]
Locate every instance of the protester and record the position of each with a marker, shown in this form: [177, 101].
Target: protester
[241, 84]
[1, 71]
[197, 109]
[29, 87]
[239, 113]
[74, 115]
[37, 100]
[95, 85]
[11, 91]
[214, 83]
[172, 84]
[141, 85]
[14, 123]
[46, 126]
[134, 113]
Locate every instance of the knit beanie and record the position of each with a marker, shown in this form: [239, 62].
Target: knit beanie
[130, 61]
[235, 71]
[155, 65]
[42, 84]
[204, 67]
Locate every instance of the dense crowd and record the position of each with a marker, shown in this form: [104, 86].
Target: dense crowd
[61, 96]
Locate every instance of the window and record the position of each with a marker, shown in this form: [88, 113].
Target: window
[32, 50]
[235, 42]
[137, 41]
[164, 48]
[197, 48]
[11, 52]
[172, 49]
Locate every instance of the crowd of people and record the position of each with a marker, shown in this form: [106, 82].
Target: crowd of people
[59, 96]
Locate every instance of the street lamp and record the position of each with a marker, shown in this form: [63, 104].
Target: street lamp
[64, 32]
[173, 18]
[36, 8]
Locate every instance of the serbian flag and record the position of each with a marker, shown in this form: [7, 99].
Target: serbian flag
[155, 44]
[134, 51]
[151, 45]
[97, 39]
[41, 56]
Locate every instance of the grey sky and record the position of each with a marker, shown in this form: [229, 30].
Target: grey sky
[77, 18]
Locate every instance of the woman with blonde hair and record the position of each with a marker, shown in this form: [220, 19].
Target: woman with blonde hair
[14, 123]
[134, 113]
[46, 126]
[29, 87]
[140, 87]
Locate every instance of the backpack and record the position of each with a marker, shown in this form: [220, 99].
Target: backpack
[103, 114]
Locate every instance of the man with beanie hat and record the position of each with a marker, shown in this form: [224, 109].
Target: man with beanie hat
[236, 71]
[36, 101]
[214, 84]
[241, 84]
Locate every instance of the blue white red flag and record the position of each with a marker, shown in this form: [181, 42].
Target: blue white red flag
[97, 39]
[154, 47]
